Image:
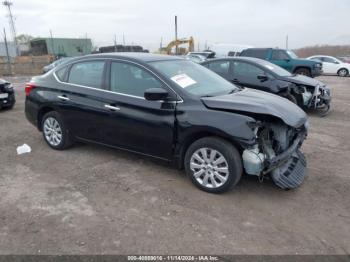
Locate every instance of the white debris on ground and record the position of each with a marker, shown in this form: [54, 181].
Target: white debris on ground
[23, 149]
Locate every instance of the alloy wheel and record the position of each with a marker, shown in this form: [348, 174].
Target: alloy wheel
[52, 131]
[342, 72]
[209, 167]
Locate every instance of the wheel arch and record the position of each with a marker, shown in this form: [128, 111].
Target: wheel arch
[190, 139]
[343, 68]
[302, 67]
[44, 110]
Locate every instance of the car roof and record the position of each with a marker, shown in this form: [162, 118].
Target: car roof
[238, 58]
[144, 57]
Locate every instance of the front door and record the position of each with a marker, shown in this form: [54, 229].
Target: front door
[135, 123]
[282, 59]
[246, 75]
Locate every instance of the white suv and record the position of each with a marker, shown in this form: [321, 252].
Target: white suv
[332, 65]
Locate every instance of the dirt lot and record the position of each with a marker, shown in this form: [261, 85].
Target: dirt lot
[93, 200]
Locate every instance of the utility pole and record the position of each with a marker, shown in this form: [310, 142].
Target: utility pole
[161, 44]
[52, 45]
[287, 42]
[115, 43]
[8, 4]
[123, 39]
[7, 55]
[176, 47]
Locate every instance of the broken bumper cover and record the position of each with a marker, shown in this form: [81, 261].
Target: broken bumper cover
[321, 99]
[288, 169]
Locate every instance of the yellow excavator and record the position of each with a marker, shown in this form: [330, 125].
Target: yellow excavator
[176, 43]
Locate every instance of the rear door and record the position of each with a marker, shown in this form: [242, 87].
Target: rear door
[135, 123]
[83, 98]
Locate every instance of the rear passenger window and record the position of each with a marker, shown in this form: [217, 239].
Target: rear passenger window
[131, 80]
[258, 53]
[87, 74]
[61, 74]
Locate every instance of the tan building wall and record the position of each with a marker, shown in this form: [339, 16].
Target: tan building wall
[25, 65]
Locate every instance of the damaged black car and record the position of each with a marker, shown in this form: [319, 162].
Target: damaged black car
[173, 110]
[306, 92]
[7, 95]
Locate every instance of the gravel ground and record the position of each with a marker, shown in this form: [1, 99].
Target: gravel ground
[94, 200]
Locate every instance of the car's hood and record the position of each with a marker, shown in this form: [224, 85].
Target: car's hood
[303, 61]
[259, 102]
[303, 80]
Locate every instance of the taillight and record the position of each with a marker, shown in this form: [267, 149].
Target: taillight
[29, 87]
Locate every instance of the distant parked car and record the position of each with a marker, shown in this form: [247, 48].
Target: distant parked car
[205, 54]
[195, 58]
[286, 59]
[7, 94]
[259, 74]
[55, 63]
[332, 65]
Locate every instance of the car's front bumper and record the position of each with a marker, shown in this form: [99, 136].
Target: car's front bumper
[321, 99]
[316, 71]
[288, 169]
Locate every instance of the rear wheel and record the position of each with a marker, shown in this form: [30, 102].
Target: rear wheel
[303, 71]
[343, 72]
[54, 131]
[213, 164]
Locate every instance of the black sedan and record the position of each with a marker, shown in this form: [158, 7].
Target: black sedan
[262, 75]
[7, 95]
[174, 110]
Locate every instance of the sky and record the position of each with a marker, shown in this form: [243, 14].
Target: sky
[259, 23]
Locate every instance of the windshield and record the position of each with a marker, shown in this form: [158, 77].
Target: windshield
[276, 69]
[194, 78]
[292, 54]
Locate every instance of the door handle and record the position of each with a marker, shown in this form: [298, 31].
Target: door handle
[112, 108]
[235, 81]
[64, 98]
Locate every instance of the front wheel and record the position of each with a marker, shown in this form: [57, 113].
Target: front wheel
[54, 131]
[342, 72]
[303, 71]
[213, 164]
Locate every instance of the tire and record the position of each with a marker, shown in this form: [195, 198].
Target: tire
[342, 72]
[204, 174]
[303, 71]
[54, 131]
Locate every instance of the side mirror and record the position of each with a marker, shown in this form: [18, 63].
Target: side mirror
[156, 94]
[263, 78]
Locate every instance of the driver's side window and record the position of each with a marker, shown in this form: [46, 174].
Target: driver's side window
[132, 80]
[279, 55]
[242, 69]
